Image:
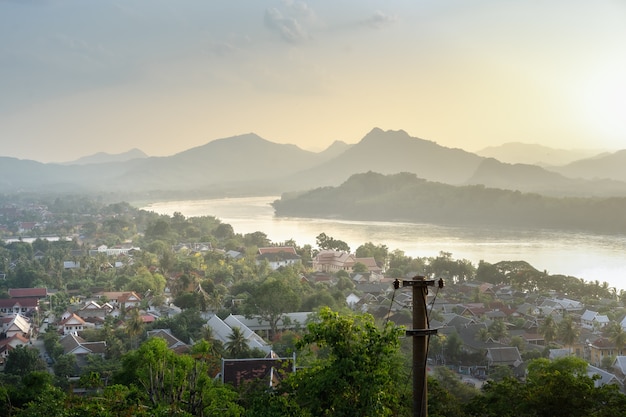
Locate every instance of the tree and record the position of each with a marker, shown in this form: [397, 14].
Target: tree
[568, 331]
[451, 382]
[24, 360]
[483, 334]
[224, 231]
[65, 366]
[548, 329]
[498, 330]
[358, 373]
[552, 388]
[134, 327]
[326, 242]
[237, 345]
[175, 384]
[258, 239]
[378, 252]
[360, 268]
[271, 299]
[453, 348]
[617, 336]
[500, 372]
[519, 343]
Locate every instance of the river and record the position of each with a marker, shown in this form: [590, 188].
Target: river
[583, 255]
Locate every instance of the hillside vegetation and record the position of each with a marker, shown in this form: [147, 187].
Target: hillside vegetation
[405, 197]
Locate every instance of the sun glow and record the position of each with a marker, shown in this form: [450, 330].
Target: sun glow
[604, 101]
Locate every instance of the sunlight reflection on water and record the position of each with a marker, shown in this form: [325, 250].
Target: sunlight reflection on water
[587, 256]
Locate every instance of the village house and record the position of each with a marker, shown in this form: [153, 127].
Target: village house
[115, 251]
[222, 329]
[562, 305]
[26, 306]
[619, 368]
[602, 377]
[120, 299]
[37, 293]
[172, 341]
[278, 256]
[72, 324]
[603, 348]
[27, 227]
[95, 313]
[81, 349]
[331, 261]
[22, 300]
[506, 355]
[10, 343]
[289, 321]
[592, 320]
[15, 324]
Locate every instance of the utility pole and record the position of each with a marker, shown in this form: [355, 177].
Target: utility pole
[420, 334]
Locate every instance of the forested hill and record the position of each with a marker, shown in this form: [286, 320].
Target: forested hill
[405, 197]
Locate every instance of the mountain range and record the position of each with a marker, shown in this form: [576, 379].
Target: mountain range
[536, 154]
[249, 164]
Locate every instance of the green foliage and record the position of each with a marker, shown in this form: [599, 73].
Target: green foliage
[358, 373]
[177, 383]
[360, 268]
[23, 360]
[237, 345]
[548, 329]
[453, 384]
[568, 331]
[500, 372]
[498, 329]
[453, 348]
[441, 402]
[369, 250]
[185, 326]
[553, 388]
[271, 298]
[327, 242]
[65, 366]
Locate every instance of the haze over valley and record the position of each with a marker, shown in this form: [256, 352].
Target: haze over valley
[249, 164]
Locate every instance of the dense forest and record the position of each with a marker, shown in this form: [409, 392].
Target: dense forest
[405, 197]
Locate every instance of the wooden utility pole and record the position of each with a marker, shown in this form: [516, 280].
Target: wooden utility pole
[420, 333]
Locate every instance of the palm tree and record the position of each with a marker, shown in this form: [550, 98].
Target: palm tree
[483, 334]
[568, 332]
[216, 300]
[617, 336]
[548, 329]
[237, 345]
[216, 345]
[498, 329]
[134, 327]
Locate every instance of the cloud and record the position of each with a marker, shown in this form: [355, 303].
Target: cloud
[299, 9]
[379, 20]
[289, 29]
[291, 22]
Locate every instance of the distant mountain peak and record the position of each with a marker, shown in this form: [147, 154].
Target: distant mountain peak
[536, 154]
[103, 157]
[379, 133]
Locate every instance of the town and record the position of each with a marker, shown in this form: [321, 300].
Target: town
[86, 285]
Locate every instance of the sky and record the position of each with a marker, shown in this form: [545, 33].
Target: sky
[79, 77]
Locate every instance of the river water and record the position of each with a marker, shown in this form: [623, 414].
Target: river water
[583, 255]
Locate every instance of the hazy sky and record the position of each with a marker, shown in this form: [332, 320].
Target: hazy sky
[80, 76]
